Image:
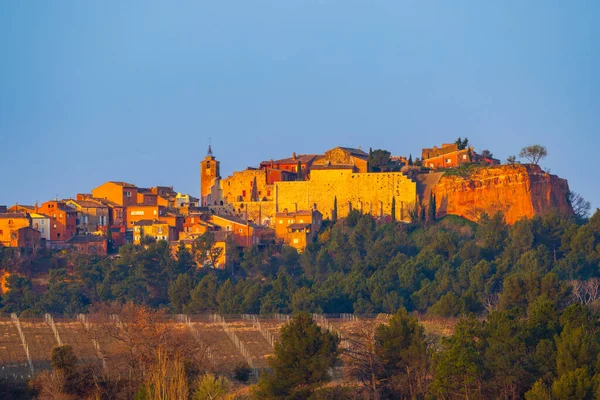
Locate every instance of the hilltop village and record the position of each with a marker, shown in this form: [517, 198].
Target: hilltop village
[285, 201]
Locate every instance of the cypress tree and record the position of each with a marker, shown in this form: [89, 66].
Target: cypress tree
[299, 171]
[393, 209]
[370, 160]
[334, 212]
[410, 161]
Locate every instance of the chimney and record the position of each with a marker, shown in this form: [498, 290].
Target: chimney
[315, 206]
[285, 211]
[294, 155]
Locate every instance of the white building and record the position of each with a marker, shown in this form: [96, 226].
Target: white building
[41, 222]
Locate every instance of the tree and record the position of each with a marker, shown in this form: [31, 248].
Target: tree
[334, 212]
[402, 349]
[179, 291]
[431, 209]
[487, 154]
[393, 209]
[533, 153]
[210, 387]
[462, 144]
[302, 357]
[511, 160]
[576, 384]
[299, 171]
[370, 160]
[381, 159]
[581, 207]
[410, 160]
[205, 250]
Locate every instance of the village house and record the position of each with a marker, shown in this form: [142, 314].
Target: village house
[10, 223]
[245, 234]
[41, 223]
[63, 220]
[147, 197]
[89, 244]
[286, 169]
[140, 212]
[451, 156]
[121, 193]
[343, 158]
[92, 215]
[159, 230]
[298, 228]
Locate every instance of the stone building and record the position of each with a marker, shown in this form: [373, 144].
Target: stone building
[298, 228]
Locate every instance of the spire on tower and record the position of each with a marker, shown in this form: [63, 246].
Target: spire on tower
[210, 153]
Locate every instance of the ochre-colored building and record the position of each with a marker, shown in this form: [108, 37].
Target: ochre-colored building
[244, 234]
[447, 156]
[342, 158]
[146, 197]
[121, 193]
[141, 212]
[298, 228]
[63, 220]
[159, 230]
[10, 223]
[286, 169]
[210, 175]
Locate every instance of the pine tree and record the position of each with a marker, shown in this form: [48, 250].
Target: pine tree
[393, 209]
[410, 160]
[303, 356]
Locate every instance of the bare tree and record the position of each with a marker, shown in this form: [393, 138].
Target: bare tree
[581, 207]
[362, 360]
[533, 153]
[585, 292]
[491, 302]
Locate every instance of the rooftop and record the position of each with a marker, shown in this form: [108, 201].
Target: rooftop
[124, 184]
[87, 239]
[13, 215]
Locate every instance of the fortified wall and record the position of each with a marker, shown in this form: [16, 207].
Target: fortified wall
[247, 185]
[370, 193]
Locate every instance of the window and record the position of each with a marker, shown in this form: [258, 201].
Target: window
[1, 232]
[228, 228]
[243, 193]
[295, 241]
[10, 221]
[60, 216]
[301, 221]
[280, 221]
[127, 193]
[42, 221]
[154, 212]
[138, 212]
[208, 165]
[464, 156]
[53, 215]
[241, 230]
[448, 161]
[42, 230]
[54, 226]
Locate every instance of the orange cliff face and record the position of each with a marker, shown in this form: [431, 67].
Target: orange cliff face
[517, 190]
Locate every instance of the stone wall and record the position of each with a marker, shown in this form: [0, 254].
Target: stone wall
[370, 192]
[240, 186]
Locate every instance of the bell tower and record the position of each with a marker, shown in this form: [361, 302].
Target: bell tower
[209, 177]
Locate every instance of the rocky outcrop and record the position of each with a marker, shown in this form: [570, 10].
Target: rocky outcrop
[516, 190]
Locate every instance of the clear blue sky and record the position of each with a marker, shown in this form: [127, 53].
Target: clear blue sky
[92, 91]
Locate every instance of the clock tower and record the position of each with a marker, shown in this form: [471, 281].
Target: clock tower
[209, 177]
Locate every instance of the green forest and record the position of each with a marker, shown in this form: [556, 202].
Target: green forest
[527, 296]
